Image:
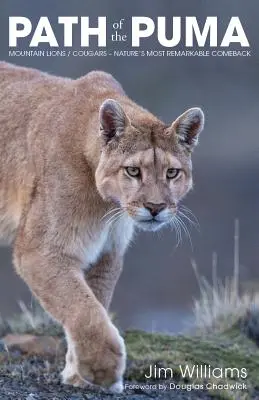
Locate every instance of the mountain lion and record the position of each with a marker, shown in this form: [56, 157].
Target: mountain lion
[81, 166]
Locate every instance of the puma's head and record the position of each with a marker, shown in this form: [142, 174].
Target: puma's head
[145, 166]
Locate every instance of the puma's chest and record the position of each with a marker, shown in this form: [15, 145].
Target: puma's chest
[115, 236]
[96, 246]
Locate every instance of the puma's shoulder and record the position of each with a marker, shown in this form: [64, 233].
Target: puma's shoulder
[35, 83]
[100, 81]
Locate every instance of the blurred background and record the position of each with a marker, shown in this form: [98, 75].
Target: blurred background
[158, 284]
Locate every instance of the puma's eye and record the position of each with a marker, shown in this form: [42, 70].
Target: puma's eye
[172, 173]
[133, 171]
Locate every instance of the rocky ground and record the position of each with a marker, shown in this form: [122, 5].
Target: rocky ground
[31, 390]
[24, 376]
[30, 365]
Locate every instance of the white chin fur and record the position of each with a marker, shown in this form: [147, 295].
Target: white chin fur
[150, 226]
[117, 387]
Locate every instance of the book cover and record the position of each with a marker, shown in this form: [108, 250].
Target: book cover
[128, 199]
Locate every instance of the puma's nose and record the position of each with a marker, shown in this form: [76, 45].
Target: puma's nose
[154, 209]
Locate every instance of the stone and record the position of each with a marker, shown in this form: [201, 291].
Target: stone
[45, 346]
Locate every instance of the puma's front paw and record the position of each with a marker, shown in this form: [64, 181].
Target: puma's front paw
[97, 357]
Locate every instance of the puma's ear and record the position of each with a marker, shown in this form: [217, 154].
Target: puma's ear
[188, 127]
[113, 119]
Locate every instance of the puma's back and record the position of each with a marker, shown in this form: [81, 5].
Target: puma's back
[36, 109]
[22, 91]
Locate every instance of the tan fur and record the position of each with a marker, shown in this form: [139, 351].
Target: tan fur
[60, 178]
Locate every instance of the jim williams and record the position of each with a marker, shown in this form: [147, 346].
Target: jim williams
[196, 371]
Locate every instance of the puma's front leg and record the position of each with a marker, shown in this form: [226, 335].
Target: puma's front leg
[103, 276]
[96, 352]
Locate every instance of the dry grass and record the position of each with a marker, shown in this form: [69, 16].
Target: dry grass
[221, 304]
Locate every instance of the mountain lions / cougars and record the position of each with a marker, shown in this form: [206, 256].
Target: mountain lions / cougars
[82, 165]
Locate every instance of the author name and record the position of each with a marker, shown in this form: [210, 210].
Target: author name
[196, 371]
